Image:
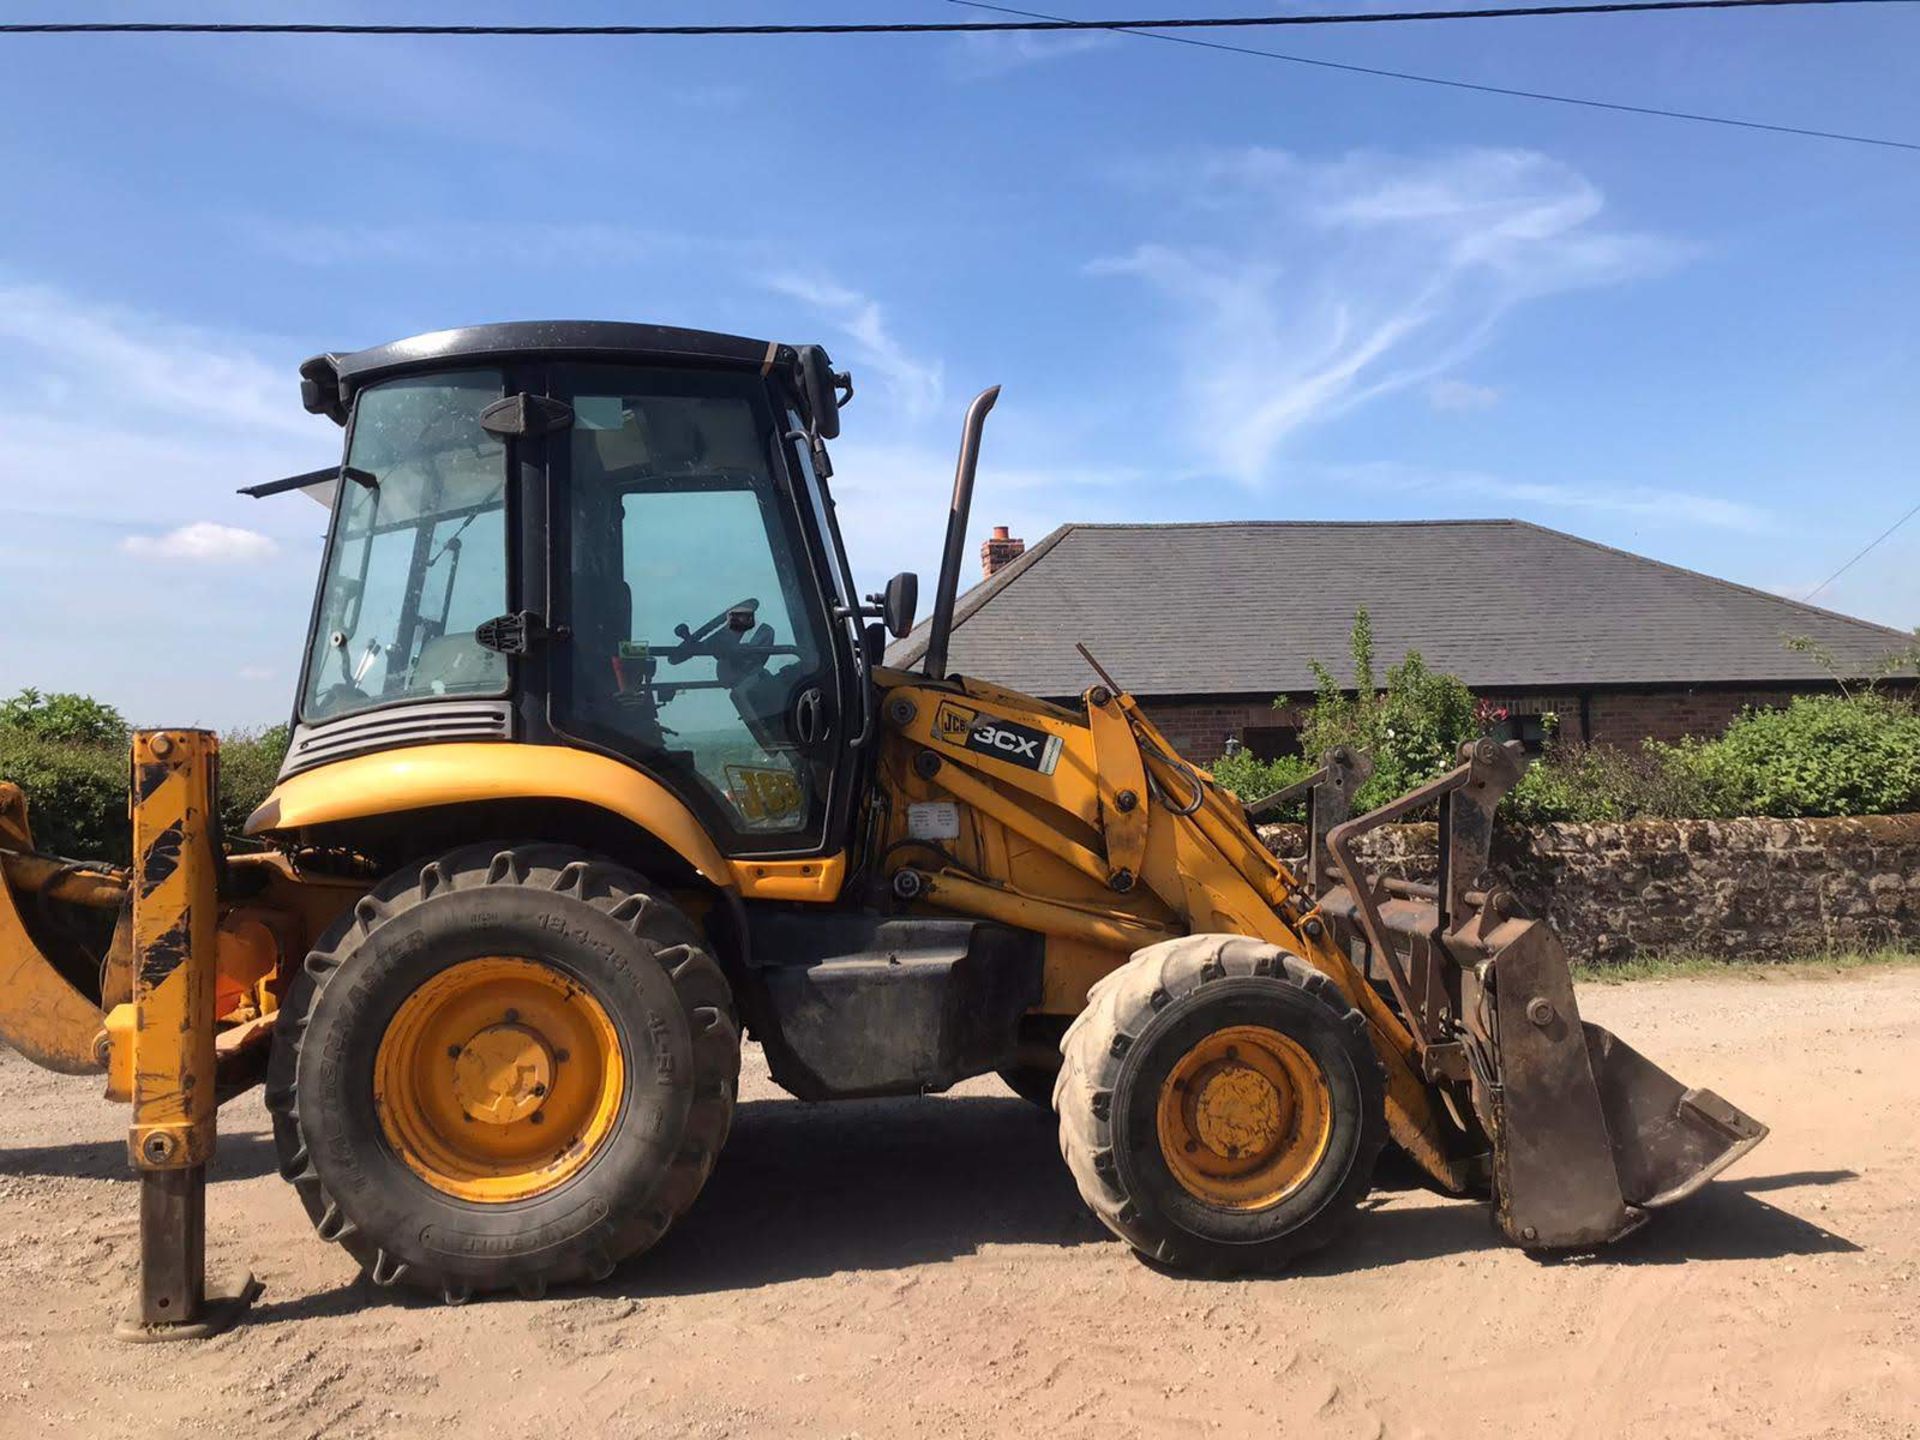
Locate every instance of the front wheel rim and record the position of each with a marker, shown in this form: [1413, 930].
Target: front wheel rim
[1244, 1118]
[498, 1079]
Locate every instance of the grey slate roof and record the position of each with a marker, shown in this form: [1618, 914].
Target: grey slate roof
[1241, 607]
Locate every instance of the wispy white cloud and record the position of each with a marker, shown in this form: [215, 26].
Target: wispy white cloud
[1451, 396]
[1321, 286]
[1681, 507]
[105, 362]
[916, 385]
[203, 542]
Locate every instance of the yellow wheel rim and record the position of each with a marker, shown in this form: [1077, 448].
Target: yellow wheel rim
[1244, 1118]
[498, 1079]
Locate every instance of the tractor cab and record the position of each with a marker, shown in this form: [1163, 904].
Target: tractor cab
[613, 537]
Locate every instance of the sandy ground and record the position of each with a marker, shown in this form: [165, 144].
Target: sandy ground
[925, 1268]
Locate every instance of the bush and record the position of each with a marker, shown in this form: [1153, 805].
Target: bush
[1822, 755]
[69, 753]
[63, 717]
[1603, 782]
[1413, 728]
[249, 763]
[1253, 779]
[76, 795]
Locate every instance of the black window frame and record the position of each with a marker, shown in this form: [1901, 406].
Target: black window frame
[827, 835]
[512, 520]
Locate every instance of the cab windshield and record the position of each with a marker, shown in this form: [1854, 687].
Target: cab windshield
[419, 553]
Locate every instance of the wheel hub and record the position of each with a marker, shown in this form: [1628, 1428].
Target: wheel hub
[1237, 1112]
[503, 1074]
[498, 1079]
[1244, 1117]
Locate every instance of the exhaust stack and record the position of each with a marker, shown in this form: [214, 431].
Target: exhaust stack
[940, 628]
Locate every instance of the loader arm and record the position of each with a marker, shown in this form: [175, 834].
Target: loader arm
[1091, 830]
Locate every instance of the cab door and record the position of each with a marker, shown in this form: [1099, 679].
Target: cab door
[698, 640]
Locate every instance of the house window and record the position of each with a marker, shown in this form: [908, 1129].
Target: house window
[1271, 742]
[1530, 730]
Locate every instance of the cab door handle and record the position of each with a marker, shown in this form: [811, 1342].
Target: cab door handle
[811, 722]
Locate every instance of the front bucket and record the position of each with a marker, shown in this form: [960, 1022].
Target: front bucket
[1588, 1134]
[1668, 1140]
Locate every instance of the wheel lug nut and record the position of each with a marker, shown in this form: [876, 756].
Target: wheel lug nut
[513, 1017]
[538, 1118]
[560, 1057]
[453, 1052]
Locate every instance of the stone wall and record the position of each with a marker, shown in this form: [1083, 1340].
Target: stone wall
[1733, 888]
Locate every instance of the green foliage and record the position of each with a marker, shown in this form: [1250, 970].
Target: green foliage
[1413, 728]
[64, 718]
[1604, 782]
[1823, 755]
[69, 753]
[1852, 753]
[1253, 779]
[249, 762]
[76, 794]
[1855, 754]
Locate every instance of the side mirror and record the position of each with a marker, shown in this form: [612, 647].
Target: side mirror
[823, 399]
[898, 602]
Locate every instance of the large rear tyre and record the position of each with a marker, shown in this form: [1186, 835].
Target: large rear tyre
[1221, 1107]
[506, 1068]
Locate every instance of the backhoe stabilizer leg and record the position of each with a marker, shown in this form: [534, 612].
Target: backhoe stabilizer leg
[175, 874]
[1588, 1133]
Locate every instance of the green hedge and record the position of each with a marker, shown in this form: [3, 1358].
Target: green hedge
[69, 754]
[1821, 755]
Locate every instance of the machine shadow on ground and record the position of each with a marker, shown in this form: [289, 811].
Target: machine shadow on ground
[804, 1191]
[238, 1155]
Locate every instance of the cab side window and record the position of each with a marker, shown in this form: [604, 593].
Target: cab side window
[695, 643]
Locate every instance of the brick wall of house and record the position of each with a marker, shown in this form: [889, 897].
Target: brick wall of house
[1200, 729]
[1625, 719]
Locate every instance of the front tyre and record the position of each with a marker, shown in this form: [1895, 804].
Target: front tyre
[506, 1068]
[1221, 1107]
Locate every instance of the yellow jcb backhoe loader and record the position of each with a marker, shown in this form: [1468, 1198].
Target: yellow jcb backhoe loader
[597, 766]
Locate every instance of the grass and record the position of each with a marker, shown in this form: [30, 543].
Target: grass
[1679, 965]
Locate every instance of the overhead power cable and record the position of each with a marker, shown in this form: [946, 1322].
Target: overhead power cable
[981, 27]
[1374, 70]
[1872, 545]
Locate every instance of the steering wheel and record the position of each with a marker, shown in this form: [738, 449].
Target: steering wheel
[738, 648]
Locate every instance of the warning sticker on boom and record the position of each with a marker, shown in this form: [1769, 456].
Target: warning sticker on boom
[1002, 739]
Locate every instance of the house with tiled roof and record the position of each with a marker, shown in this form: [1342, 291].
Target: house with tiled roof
[1208, 623]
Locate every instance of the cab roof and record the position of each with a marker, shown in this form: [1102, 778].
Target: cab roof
[328, 381]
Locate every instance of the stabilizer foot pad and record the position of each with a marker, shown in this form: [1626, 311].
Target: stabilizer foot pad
[222, 1308]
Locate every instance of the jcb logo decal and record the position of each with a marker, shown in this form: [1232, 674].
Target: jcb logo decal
[1002, 739]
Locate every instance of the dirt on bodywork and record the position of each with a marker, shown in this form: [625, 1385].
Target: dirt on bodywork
[924, 1267]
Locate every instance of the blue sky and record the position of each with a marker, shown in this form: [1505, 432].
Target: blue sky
[1213, 286]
